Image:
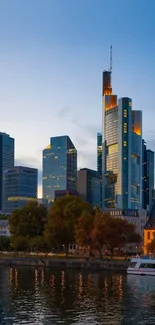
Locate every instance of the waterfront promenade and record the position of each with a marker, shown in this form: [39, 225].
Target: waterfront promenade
[75, 263]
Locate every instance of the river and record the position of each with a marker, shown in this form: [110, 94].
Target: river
[51, 297]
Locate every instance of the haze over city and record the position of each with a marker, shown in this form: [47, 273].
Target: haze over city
[52, 56]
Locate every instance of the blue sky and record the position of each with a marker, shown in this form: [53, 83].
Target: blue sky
[52, 53]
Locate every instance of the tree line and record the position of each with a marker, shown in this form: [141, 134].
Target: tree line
[69, 221]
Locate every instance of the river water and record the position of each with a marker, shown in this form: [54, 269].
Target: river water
[51, 297]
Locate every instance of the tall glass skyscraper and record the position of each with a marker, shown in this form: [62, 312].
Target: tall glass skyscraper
[6, 161]
[99, 162]
[59, 167]
[122, 151]
[20, 187]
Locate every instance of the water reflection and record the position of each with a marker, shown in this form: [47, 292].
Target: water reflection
[39, 296]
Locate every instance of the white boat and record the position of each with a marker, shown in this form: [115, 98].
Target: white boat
[142, 266]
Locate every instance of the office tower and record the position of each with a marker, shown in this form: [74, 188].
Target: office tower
[99, 153]
[122, 151]
[20, 187]
[88, 186]
[6, 161]
[59, 167]
[147, 177]
[144, 176]
[99, 161]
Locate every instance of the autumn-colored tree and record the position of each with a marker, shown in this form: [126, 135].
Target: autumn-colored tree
[118, 233]
[28, 221]
[98, 233]
[60, 226]
[83, 229]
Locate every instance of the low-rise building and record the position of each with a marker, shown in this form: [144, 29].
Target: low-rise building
[4, 228]
[149, 229]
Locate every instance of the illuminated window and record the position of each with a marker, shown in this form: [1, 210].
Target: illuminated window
[125, 144]
[55, 157]
[113, 148]
[125, 113]
[125, 127]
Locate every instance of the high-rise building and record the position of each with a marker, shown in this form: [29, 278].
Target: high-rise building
[6, 161]
[122, 151]
[147, 177]
[59, 167]
[20, 187]
[99, 161]
[88, 186]
[99, 153]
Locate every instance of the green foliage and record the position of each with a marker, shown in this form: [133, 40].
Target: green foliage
[5, 243]
[4, 217]
[36, 243]
[70, 220]
[28, 221]
[62, 217]
[20, 243]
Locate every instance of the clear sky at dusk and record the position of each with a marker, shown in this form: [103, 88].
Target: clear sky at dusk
[52, 53]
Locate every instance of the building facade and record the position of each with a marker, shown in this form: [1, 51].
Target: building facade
[4, 228]
[6, 161]
[122, 151]
[88, 186]
[59, 167]
[99, 161]
[147, 177]
[149, 229]
[20, 187]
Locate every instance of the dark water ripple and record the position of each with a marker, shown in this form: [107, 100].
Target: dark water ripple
[52, 297]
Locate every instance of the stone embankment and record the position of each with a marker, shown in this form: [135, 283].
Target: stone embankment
[96, 265]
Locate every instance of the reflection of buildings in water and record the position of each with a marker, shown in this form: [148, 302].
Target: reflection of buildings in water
[62, 280]
[80, 286]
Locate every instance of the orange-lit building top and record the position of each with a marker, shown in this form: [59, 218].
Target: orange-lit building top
[137, 122]
[110, 101]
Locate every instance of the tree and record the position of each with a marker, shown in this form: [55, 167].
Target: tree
[83, 230]
[98, 233]
[4, 243]
[118, 233]
[28, 221]
[20, 243]
[60, 226]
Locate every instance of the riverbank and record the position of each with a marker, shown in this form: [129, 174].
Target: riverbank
[113, 265]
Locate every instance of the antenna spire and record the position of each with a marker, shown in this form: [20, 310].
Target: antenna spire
[111, 58]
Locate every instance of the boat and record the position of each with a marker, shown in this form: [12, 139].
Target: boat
[142, 266]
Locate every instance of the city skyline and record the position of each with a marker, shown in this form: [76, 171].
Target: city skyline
[42, 48]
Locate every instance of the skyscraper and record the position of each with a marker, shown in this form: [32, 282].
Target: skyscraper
[88, 186]
[99, 162]
[99, 153]
[147, 177]
[20, 187]
[6, 161]
[150, 177]
[59, 167]
[122, 150]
